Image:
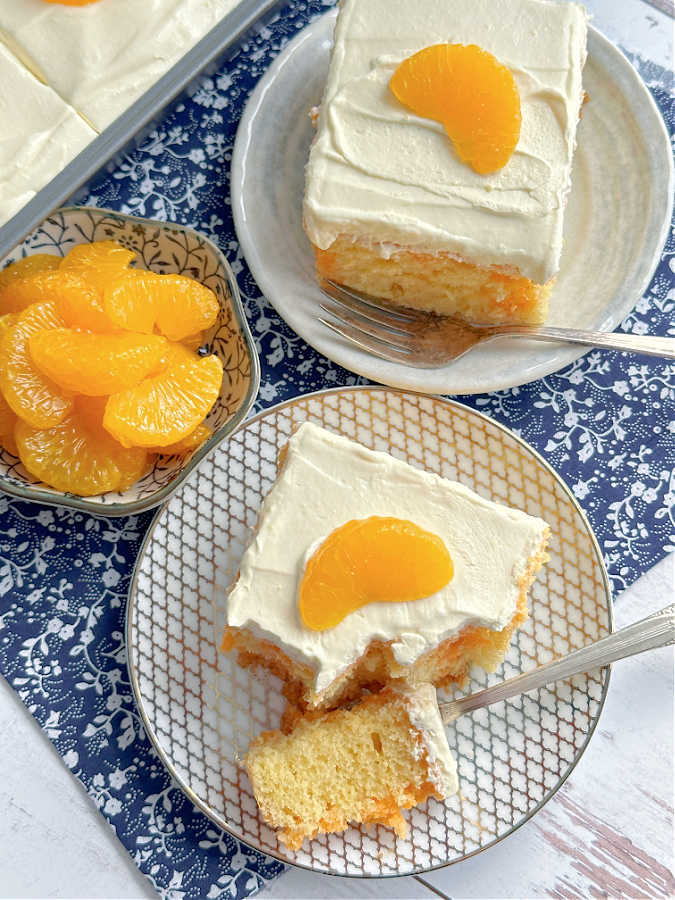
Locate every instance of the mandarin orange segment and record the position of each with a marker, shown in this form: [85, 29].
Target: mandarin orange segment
[95, 364]
[77, 459]
[376, 560]
[7, 417]
[65, 288]
[31, 395]
[72, 2]
[175, 354]
[91, 411]
[166, 408]
[99, 263]
[471, 93]
[184, 306]
[177, 305]
[5, 321]
[80, 303]
[29, 265]
[195, 439]
[23, 292]
[129, 302]
[8, 442]
[194, 341]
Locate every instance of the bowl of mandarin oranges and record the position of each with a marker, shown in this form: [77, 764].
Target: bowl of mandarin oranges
[125, 357]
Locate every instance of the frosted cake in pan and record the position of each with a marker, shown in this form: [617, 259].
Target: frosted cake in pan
[40, 135]
[67, 72]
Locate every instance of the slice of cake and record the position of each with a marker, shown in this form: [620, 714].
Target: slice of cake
[391, 205]
[364, 568]
[362, 765]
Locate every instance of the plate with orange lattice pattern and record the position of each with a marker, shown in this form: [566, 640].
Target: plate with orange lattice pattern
[202, 710]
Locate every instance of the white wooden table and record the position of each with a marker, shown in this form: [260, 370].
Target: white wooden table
[608, 831]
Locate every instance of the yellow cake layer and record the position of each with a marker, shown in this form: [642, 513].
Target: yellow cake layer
[435, 282]
[361, 765]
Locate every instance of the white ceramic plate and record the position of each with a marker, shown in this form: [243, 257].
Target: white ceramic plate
[616, 223]
[201, 710]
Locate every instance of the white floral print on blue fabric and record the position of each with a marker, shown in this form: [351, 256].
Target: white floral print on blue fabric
[606, 423]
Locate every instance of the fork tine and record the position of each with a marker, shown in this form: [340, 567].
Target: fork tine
[367, 305]
[385, 333]
[365, 313]
[370, 344]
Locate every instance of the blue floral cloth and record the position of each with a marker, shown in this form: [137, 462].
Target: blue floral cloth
[606, 423]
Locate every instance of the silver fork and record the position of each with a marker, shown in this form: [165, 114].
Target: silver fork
[427, 341]
[657, 630]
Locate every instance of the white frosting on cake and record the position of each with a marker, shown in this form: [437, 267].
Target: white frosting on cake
[102, 57]
[388, 177]
[425, 717]
[40, 135]
[328, 480]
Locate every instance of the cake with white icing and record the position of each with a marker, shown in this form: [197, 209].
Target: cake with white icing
[392, 209]
[328, 485]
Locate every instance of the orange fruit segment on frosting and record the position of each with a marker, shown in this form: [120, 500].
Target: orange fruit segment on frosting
[375, 560]
[72, 2]
[471, 93]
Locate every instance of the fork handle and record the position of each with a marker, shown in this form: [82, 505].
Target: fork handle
[633, 343]
[655, 631]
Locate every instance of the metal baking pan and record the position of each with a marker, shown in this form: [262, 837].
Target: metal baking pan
[123, 129]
